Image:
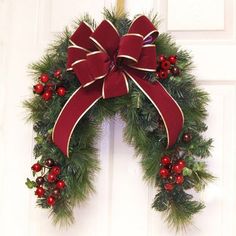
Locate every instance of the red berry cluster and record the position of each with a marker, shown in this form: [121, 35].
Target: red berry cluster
[46, 87]
[48, 184]
[171, 172]
[167, 66]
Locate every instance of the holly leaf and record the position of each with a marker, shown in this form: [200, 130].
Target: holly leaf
[187, 171]
[39, 139]
[30, 184]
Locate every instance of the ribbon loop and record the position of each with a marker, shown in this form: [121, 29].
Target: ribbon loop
[106, 37]
[99, 64]
[82, 71]
[130, 47]
[142, 25]
[74, 53]
[147, 61]
[81, 37]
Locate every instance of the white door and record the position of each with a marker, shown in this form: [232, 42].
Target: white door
[205, 27]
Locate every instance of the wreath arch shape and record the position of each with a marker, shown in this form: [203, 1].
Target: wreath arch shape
[123, 67]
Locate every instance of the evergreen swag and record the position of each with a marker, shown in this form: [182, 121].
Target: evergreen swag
[144, 131]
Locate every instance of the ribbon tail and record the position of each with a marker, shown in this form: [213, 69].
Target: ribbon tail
[167, 107]
[74, 109]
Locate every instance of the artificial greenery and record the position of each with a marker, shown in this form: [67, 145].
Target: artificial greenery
[144, 131]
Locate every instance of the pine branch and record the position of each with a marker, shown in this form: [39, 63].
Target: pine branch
[62, 214]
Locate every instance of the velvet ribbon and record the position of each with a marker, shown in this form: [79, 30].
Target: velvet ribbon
[103, 61]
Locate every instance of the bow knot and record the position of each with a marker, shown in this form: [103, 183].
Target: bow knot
[104, 54]
[103, 61]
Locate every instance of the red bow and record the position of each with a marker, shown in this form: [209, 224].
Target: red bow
[103, 61]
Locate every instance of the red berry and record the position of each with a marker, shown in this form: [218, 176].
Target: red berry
[40, 191]
[47, 95]
[172, 59]
[40, 180]
[165, 160]
[181, 163]
[57, 73]
[177, 169]
[36, 167]
[56, 192]
[179, 179]
[44, 78]
[38, 88]
[51, 201]
[175, 71]
[49, 162]
[165, 65]
[51, 178]
[164, 173]
[163, 74]
[161, 58]
[169, 187]
[60, 184]
[187, 137]
[56, 170]
[61, 91]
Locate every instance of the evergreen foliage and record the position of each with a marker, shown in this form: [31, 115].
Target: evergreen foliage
[142, 131]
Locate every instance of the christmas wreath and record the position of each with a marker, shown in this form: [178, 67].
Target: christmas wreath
[120, 66]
